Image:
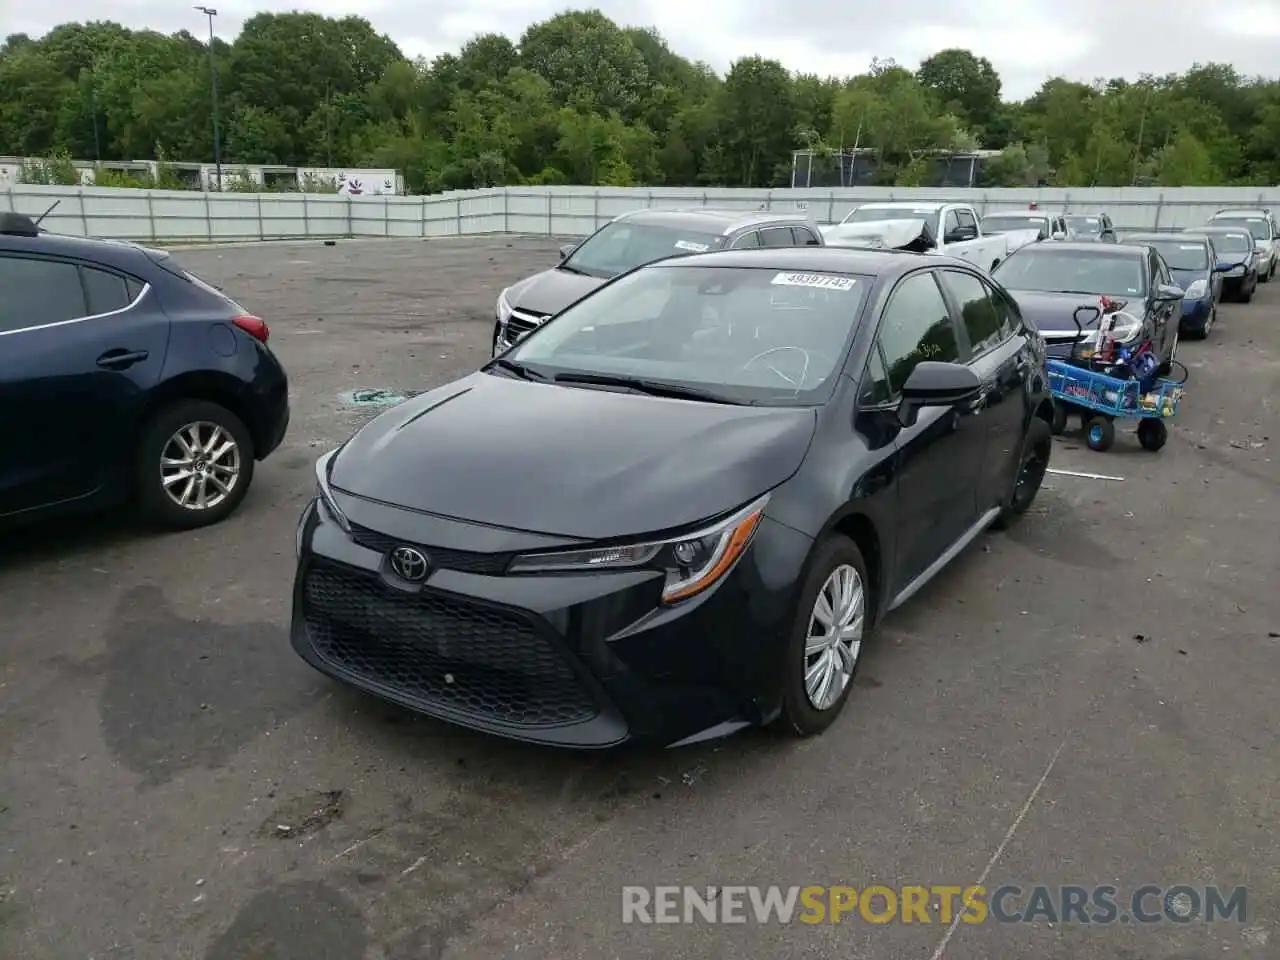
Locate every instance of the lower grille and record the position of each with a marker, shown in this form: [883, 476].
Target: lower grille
[441, 652]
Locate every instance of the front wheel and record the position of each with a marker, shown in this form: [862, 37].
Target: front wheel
[1036, 450]
[832, 620]
[1099, 434]
[1152, 434]
[1059, 425]
[193, 466]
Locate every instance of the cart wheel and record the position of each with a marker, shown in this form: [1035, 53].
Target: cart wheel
[1059, 423]
[1152, 434]
[1099, 433]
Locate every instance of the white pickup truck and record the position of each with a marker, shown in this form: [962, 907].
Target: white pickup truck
[926, 226]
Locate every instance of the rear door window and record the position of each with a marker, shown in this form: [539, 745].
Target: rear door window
[777, 237]
[39, 292]
[106, 292]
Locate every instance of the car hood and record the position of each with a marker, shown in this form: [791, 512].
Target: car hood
[549, 292]
[570, 461]
[881, 235]
[1051, 313]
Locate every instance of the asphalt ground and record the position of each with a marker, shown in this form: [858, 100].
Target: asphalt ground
[1088, 700]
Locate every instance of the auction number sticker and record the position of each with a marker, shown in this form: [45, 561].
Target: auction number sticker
[691, 246]
[1191, 246]
[820, 281]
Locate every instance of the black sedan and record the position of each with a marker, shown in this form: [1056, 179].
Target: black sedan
[122, 376]
[1237, 258]
[681, 506]
[1050, 281]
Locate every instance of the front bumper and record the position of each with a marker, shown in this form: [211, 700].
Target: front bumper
[1195, 313]
[575, 660]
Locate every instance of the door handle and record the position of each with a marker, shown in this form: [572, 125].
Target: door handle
[120, 359]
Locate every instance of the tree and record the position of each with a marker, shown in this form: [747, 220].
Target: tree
[964, 84]
[582, 99]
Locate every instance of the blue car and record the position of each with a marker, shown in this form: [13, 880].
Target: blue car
[1193, 263]
[123, 377]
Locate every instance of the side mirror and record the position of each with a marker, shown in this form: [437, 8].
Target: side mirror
[935, 384]
[1167, 292]
[567, 249]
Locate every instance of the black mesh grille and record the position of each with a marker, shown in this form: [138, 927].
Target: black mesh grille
[440, 651]
[463, 560]
[518, 324]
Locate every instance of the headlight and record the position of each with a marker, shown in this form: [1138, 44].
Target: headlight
[1123, 328]
[692, 562]
[1196, 290]
[324, 495]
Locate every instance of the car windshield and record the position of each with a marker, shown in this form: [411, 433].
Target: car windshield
[1084, 224]
[1005, 222]
[1047, 268]
[740, 335]
[1233, 244]
[870, 214]
[621, 246]
[1182, 254]
[1257, 226]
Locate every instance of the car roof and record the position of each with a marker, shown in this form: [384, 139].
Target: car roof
[1213, 231]
[1075, 246]
[120, 254]
[1020, 213]
[853, 260]
[907, 205]
[1154, 237]
[709, 220]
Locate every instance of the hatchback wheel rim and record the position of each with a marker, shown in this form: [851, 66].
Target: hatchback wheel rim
[1034, 466]
[200, 466]
[834, 639]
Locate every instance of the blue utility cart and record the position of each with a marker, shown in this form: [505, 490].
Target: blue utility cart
[1100, 400]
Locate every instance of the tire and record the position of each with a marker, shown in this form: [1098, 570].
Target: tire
[1152, 434]
[800, 716]
[1202, 332]
[160, 441]
[1059, 425]
[1266, 277]
[1099, 434]
[1246, 297]
[1037, 447]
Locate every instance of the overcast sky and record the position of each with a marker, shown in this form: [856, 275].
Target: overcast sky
[1027, 40]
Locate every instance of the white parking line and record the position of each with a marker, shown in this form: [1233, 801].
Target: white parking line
[1076, 473]
[995, 857]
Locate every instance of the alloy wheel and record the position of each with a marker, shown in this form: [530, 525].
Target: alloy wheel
[1035, 463]
[834, 639]
[200, 465]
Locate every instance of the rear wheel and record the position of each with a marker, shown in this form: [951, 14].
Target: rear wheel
[193, 466]
[832, 621]
[1059, 424]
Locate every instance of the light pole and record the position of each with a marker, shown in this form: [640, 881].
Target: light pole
[213, 81]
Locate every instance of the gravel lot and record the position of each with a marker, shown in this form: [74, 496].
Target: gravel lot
[1120, 650]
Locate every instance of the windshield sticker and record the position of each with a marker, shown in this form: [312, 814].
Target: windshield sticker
[816, 280]
[1190, 246]
[692, 247]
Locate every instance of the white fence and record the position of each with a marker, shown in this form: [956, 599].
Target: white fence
[176, 216]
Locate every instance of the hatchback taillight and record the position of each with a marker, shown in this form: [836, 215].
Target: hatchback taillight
[253, 326]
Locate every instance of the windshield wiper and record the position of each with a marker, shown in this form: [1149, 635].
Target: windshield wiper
[569, 269]
[653, 388]
[519, 369]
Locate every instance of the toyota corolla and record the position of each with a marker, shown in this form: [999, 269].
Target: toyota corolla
[681, 506]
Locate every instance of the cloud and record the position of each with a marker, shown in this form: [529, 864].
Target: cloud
[1027, 40]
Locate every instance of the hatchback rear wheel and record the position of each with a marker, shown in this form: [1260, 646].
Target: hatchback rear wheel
[194, 465]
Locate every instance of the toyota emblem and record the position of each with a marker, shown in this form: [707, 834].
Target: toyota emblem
[409, 564]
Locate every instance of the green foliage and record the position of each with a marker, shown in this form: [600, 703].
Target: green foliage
[56, 170]
[582, 100]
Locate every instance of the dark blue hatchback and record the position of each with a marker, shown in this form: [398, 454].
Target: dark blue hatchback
[123, 377]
